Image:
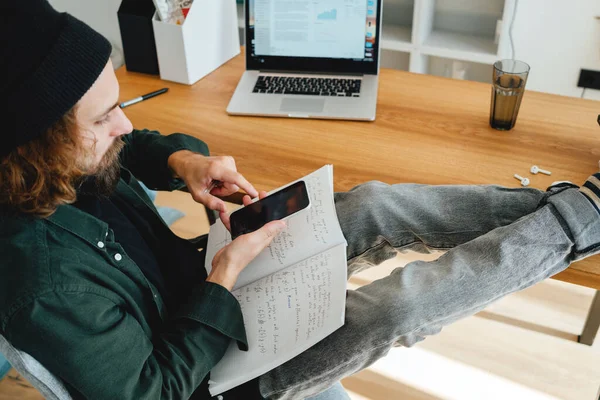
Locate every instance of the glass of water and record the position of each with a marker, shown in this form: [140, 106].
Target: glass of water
[508, 87]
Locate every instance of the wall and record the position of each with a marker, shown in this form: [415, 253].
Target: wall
[100, 15]
[558, 38]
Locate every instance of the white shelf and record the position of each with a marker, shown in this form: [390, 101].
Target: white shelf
[461, 47]
[458, 69]
[396, 37]
[395, 59]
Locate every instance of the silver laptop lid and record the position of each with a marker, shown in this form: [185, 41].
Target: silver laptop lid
[328, 36]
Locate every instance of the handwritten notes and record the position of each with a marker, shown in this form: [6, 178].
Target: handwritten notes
[299, 295]
[285, 313]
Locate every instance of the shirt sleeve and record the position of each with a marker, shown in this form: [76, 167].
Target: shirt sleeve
[103, 352]
[146, 155]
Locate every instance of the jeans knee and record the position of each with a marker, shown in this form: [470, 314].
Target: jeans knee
[369, 190]
[360, 212]
[365, 199]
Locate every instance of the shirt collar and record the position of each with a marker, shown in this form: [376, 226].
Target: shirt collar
[90, 228]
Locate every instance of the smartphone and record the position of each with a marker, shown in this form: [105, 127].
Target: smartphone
[279, 205]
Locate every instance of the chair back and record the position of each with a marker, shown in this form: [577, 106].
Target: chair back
[47, 384]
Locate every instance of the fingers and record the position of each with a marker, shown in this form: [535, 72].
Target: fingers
[225, 190]
[247, 200]
[257, 241]
[234, 177]
[270, 230]
[210, 201]
[267, 233]
[229, 261]
[224, 216]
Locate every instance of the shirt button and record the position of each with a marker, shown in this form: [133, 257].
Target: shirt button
[101, 245]
[118, 257]
[219, 397]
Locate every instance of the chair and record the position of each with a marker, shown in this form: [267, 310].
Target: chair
[4, 366]
[43, 380]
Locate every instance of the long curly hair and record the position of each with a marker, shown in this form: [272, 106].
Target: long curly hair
[39, 176]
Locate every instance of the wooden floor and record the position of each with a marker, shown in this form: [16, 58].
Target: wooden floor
[522, 347]
[14, 387]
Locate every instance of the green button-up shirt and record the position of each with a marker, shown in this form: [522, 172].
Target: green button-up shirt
[72, 298]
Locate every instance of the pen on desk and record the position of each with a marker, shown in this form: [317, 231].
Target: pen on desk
[213, 184]
[142, 98]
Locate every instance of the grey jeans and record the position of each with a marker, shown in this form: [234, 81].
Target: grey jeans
[499, 241]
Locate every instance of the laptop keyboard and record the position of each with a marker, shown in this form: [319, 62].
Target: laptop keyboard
[308, 86]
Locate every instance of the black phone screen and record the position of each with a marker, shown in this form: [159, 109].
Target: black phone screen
[276, 206]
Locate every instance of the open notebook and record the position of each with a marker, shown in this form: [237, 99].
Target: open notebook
[293, 294]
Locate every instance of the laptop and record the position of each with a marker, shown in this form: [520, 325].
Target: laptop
[310, 59]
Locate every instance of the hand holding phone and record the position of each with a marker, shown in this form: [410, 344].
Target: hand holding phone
[229, 261]
[277, 206]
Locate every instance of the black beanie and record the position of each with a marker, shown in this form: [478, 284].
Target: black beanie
[48, 61]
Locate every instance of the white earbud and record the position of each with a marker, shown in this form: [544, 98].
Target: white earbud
[524, 181]
[535, 169]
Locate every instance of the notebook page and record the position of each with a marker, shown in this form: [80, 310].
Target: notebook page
[285, 314]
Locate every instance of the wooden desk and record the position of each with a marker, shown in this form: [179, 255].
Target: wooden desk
[428, 130]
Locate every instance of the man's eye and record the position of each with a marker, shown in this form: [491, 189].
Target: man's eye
[103, 121]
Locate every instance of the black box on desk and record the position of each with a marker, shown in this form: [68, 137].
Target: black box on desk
[137, 34]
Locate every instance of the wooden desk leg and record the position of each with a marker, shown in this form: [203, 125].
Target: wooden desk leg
[590, 329]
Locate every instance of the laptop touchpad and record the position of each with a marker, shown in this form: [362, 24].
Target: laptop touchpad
[302, 105]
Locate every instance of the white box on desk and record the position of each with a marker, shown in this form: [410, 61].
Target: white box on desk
[206, 40]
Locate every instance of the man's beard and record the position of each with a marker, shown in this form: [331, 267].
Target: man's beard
[103, 179]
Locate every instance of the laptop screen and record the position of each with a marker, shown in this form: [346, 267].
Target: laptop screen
[335, 36]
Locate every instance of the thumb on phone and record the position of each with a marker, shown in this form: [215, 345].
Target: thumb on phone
[229, 262]
[263, 237]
